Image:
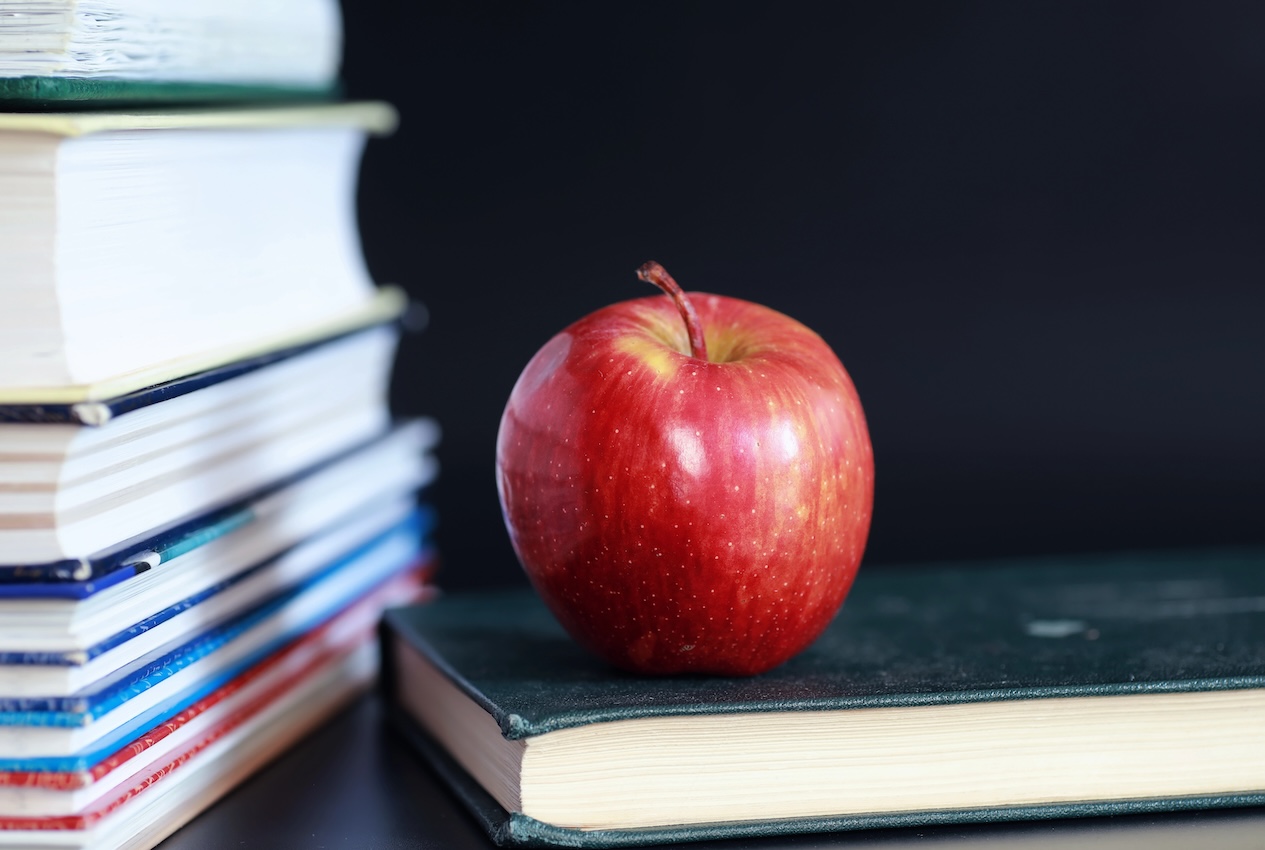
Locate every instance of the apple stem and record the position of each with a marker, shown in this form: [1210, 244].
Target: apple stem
[652, 272]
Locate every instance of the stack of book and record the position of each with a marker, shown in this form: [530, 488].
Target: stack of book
[204, 501]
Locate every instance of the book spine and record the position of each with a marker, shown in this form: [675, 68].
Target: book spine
[41, 414]
[66, 780]
[39, 93]
[135, 560]
[63, 590]
[98, 413]
[15, 711]
[56, 571]
[41, 659]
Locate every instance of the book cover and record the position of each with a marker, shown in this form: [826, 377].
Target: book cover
[81, 577]
[375, 117]
[58, 94]
[1028, 636]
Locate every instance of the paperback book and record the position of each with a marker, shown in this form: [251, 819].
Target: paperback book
[52, 732]
[192, 555]
[146, 788]
[68, 491]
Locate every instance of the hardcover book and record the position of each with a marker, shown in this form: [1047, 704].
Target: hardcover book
[65, 53]
[252, 210]
[98, 405]
[999, 691]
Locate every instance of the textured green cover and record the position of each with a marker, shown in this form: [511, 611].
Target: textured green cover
[25, 94]
[1141, 623]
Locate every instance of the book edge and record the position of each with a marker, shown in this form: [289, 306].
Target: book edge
[66, 91]
[387, 303]
[94, 414]
[523, 831]
[412, 517]
[494, 819]
[95, 567]
[377, 117]
[90, 705]
[512, 726]
[515, 829]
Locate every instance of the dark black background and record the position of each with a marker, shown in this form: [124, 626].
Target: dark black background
[1033, 232]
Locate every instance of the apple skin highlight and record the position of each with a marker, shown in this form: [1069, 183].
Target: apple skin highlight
[680, 515]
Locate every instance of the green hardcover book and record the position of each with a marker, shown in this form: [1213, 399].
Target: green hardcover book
[72, 54]
[948, 694]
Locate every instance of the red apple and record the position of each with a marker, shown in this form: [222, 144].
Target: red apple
[687, 491]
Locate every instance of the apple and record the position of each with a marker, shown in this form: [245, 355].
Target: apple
[687, 481]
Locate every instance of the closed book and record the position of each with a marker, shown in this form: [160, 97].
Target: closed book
[102, 408]
[251, 209]
[257, 526]
[998, 691]
[64, 53]
[68, 492]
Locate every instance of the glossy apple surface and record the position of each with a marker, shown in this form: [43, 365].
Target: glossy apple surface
[680, 513]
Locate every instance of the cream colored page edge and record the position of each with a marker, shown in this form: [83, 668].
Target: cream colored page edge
[375, 116]
[643, 773]
[388, 303]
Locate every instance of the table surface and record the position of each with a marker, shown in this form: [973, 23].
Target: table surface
[355, 783]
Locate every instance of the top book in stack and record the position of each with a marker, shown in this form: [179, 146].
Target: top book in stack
[76, 53]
